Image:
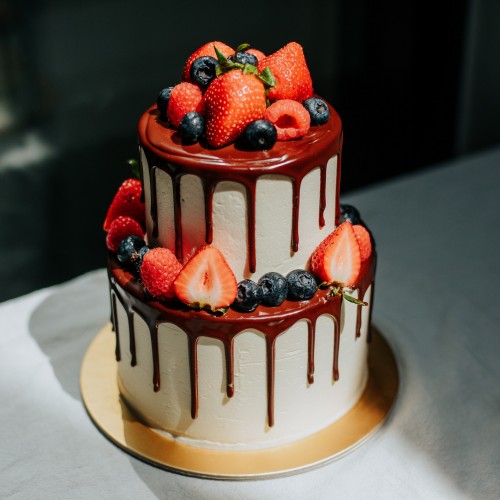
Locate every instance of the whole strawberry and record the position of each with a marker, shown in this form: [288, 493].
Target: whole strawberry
[205, 50]
[230, 103]
[184, 98]
[289, 67]
[158, 271]
[127, 201]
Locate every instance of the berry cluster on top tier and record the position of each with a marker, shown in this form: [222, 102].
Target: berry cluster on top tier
[243, 95]
[207, 282]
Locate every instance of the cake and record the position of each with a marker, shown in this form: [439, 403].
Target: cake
[240, 289]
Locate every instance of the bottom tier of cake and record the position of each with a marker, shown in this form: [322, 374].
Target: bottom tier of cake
[242, 380]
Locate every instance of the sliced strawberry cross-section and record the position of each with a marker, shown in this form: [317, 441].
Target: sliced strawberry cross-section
[206, 281]
[337, 258]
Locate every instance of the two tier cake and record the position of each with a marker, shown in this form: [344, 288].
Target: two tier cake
[240, 291]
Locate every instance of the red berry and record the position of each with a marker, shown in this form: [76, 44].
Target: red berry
[337, 258]
[365, 247]
[127, 201]
[290, 118]
[159, 269]
[230, 103]
[206, 281]
[205, 50]
[120, 228]
[289, 67]
[185, 97]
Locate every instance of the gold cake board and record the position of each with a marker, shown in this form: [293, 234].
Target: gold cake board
[99, 388]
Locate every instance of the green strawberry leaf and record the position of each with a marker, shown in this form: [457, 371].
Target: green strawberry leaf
[267, 77]
[242, 47]
[134, 166]
[353, 299]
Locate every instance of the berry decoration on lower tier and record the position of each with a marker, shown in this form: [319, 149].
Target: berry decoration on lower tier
[127, 201]
[248, 297]
[120, 228]
[274, 289]
[128, 247]
[206, 281]
[301, 285]
[159, 269]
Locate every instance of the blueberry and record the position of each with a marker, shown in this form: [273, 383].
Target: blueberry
[274, 289]
[318, 110]
[259, 135]
[301, 285]
[138, 256]
[244, 58]
[249, 296]
[192, 127]
[128, 247]
[202, 71]
[349, 213]
[162, 102]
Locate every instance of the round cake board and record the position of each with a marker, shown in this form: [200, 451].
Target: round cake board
[101, 397]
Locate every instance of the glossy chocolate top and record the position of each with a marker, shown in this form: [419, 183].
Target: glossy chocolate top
[157, 136]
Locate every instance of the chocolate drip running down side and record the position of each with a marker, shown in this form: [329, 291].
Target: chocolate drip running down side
[293, 159]
[272, 322]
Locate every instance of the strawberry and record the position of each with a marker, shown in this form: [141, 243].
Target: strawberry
[159, 269]
[185, 97]
[293, 80]
[290, 118]
[120, 228]
[230, 103]
[337, 258]
[205, 50]
[206, 281]
[127, 201]
[365, 247]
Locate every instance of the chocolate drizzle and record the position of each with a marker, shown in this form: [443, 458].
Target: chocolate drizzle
[293, 160]
[272, 322]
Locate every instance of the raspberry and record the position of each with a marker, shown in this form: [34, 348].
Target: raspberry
[120, 228]
[185, 97]
[290, 118]
[159, 269]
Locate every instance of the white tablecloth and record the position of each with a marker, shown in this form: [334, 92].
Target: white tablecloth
[437, 303]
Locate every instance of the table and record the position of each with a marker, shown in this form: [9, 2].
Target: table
[438, 238]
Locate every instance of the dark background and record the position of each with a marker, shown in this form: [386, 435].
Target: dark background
[415, 83]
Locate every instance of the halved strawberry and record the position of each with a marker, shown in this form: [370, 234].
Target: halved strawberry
[159, 269]
[205, 50]
[230, 103]
[365, 247]
[290, 118]
[127, 201]
[206, 281]
[337, 258]
[185, 97]
[120, 228]
[289, 67]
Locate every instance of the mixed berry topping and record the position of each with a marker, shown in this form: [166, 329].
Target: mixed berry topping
[233, 88]
[249, 296]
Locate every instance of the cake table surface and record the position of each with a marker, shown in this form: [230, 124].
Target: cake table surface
[437, 304]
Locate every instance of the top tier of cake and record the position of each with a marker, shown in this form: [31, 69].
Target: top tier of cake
[264, 210]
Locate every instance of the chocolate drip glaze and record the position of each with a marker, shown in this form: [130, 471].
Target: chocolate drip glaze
[293, 160]
[272, 322]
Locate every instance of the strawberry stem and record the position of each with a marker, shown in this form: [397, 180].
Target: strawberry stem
[134, 166]
[339, 289]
